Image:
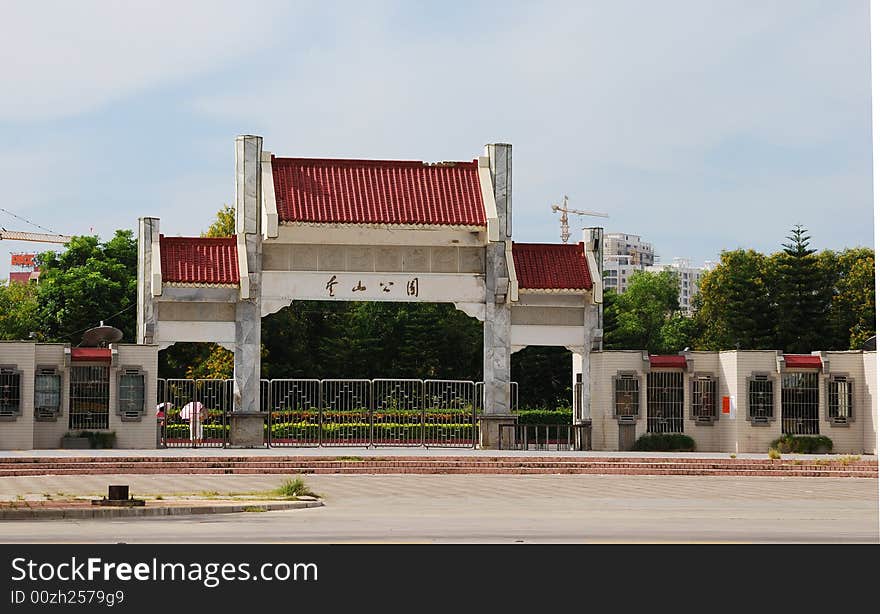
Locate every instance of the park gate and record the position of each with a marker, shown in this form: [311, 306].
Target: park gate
[331, 412]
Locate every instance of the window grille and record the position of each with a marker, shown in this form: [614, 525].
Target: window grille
[840, 399]
[47, 394]
[800, 403]
[626, 397]
[666, 402]
[704, 398]
[10, 392]
[760, 399]
[89, 397]
[130, 401]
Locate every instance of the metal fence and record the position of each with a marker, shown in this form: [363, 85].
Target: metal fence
[89, 398]
[666, 402]
[556, 437]
[800, 403]
[380, 412]
[331, 412]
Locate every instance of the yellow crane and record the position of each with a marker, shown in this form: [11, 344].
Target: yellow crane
[37, 237]
[563, 221]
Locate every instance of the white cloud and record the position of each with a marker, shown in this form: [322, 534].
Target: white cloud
[64, 58]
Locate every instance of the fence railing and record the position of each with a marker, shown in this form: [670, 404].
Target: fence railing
[331, 412]
[558, 437]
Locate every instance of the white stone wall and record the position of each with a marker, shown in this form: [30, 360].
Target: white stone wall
[706, 435]
[869, 421]
[737, 434]
[755, 438]
[18, 433]
[48, 435]
[604, 366]
[142, 434]
[847, 438]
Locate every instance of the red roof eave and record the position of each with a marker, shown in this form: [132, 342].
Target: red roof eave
[551, 266]
[90, 354]
[802, 361]
[668, 361]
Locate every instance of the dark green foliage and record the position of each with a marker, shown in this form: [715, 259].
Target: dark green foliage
[543, 375]
[544, 416]
[802, 295]
[88, 282]
[803, 444]
[794, 300]
[735, 309]
[97, 439]
[647, 316]
[664, 442]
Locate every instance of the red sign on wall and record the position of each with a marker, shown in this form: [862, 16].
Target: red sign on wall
[23, 259]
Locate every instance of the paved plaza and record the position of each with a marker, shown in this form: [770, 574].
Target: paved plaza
[483, 508]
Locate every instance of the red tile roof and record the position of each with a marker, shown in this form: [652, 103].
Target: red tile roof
[551, 266]
[90, 354]
[669, 361]
[802, 360]
[199, 260]
[378, 192]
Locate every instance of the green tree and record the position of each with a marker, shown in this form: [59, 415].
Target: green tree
[19, 311]
[802, 295]
[852, 314]
[734, 307]
[88, 282]
[223, 224]
[647, 315]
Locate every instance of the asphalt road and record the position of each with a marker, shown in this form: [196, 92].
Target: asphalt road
[487, 508]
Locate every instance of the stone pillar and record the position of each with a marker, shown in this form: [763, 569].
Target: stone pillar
[246, 424]
[148, 238]
[496, 327]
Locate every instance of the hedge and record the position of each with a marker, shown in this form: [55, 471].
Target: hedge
[803, 444]
[303, 430]
[544, 416]
[664, 442]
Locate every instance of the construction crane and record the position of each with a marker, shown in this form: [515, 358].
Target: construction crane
[563, 221]
[38, 237]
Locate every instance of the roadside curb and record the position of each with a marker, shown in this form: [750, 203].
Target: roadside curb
[146, 512]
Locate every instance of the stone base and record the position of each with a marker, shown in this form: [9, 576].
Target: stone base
[583, 435]
[490, 431]
[246, 429]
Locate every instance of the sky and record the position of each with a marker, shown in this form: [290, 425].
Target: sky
[700, 125]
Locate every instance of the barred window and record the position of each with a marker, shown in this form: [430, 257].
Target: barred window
[47, 394]
[704, 398]
[760, 399]
[800, 403]
[130, 401]
[666, 394]
[89, 397]
[840, 399]
[10, 392]
[626, 397]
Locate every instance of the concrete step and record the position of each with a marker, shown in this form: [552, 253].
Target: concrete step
[435, 465]
[366, 465]
[446, 470]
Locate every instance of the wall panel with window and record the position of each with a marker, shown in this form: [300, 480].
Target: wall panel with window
[10, 392]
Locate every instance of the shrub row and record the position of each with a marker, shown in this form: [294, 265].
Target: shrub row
[97, 439]
[803, 444]
[300, 430]
[544, 416]
[664, 442]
